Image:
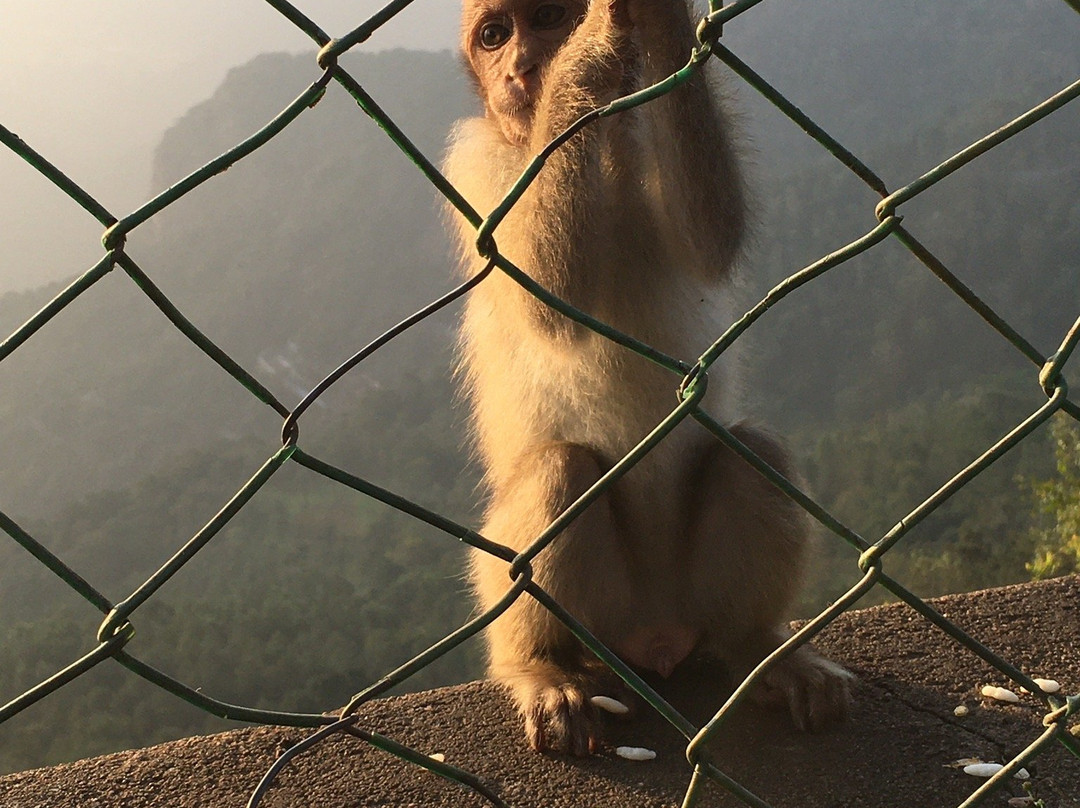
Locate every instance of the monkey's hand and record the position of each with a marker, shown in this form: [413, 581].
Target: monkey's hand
[561, 719]
[590, 70]
[817, 691]
[561, 715]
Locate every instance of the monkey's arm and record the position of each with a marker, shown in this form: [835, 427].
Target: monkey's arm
[689, 140]
[568, 211]
[682, 150]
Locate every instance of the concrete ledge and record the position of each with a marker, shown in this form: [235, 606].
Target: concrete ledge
[894, 751]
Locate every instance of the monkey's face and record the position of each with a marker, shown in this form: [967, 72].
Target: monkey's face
[508, 43]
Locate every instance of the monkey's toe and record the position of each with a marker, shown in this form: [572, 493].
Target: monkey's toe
[563, 721]
[816, 690]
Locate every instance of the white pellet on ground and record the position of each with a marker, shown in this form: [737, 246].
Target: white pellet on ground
[990, 769]
[635, 753]
[960, 710]
[1047, 685]
[999, 693]
[983, 769]
[610, 705]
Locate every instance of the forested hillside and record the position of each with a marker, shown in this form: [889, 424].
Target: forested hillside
[122, 439]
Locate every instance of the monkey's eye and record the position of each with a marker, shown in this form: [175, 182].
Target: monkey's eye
[548, 15]
[493, 35]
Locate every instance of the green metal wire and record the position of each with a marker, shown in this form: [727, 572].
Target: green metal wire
[772, 475]
[888, 205]
[57, 304]
[56, 176]
[451, 641]
[116, 633]
[54, 564]
[307, 99]
[977, 466]
[198, 338]
[1003, 775]
[106, 649]
[608, 479]
[799, 638]
[230, 712]
[124, 608]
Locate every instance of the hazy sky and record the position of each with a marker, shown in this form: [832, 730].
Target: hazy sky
[92, 84]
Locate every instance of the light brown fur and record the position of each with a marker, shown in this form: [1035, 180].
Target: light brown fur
[637, 220]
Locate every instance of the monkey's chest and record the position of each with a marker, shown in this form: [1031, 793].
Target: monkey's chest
[605, 395]
[586, 389]
[607, 403]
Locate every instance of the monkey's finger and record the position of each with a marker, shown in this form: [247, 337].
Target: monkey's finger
[578, 717]
[798, 703]
[534, 728]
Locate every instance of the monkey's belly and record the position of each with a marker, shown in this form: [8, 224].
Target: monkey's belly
[658, 647]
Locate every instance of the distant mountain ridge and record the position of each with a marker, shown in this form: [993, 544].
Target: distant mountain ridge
[327, 234]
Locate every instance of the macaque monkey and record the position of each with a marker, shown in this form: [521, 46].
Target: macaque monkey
[638, 220]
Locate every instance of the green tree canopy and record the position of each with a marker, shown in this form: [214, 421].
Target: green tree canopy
[1058, 500]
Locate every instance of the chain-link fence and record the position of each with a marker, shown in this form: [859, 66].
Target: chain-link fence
[116, 631]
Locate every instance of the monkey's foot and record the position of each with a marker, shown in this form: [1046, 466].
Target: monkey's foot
[817, 691]
[561, 719]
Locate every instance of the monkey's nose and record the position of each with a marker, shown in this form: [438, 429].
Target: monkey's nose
[525, 81]
[524, 62]
[525, 70]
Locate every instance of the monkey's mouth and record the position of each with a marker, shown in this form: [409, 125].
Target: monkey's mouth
[522, 113]
[518, 101]
[515, 116]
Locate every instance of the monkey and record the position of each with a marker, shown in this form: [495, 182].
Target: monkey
[639, 220]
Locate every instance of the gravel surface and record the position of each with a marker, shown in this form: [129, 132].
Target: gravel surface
[896, 749]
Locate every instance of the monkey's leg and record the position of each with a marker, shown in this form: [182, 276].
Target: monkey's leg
[547, 670]
[750, 544]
